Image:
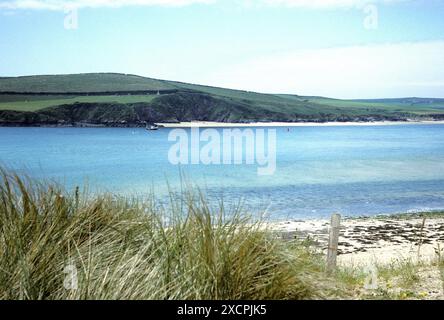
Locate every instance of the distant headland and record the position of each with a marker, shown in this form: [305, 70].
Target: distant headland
[121, 100]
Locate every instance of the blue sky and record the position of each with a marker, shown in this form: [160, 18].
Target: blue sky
[287, 46]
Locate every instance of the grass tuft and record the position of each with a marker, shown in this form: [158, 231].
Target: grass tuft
[58, 245]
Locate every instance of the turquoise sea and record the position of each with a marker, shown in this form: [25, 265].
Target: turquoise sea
[354, 170]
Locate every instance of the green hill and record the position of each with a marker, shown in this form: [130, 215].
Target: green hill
[92, 82]
[129, 100]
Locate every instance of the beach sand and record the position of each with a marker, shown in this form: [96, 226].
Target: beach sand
[367, 244]
[208, 124]
[369, 241]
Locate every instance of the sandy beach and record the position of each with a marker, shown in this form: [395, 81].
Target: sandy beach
[369, 241]
[390, 243]
[208, 124]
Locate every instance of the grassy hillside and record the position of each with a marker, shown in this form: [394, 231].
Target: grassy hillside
[411, 103]
[95, 82]
[134, 100]
[34, 103]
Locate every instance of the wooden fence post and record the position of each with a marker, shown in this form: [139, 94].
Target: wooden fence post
[333, 242]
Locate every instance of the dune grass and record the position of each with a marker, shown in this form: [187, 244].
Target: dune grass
[62, 245]
[58, 245]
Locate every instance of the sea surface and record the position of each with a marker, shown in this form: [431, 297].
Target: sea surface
[353, 170]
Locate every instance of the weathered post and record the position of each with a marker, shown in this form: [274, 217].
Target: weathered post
[333, 242]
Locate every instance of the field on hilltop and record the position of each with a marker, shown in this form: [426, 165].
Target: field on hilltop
[43, 100]
[93, 82]
[34, 103]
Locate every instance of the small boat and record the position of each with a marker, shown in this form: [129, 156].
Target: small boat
[152, 127]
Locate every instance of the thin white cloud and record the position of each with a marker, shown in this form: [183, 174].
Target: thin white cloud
[63, 4]
[58, 5]
[327, 4]
[386, 70]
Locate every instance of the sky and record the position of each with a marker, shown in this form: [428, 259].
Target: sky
[335, 48]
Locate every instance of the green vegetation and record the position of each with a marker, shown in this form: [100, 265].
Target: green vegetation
[122, 248]
[127, 249]
[406, 272]
[92, 82]
[34, 103]
[183, 102]
[414, 105]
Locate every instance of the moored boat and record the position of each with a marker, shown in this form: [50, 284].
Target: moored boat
[152, 127]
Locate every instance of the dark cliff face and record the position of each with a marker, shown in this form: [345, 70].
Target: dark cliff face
[192, 107]
[90, 112]
[168, 108]
[176, 107]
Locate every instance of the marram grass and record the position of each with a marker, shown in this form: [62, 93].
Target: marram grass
[127, 249]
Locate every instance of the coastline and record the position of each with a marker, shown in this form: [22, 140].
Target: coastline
[210, 124]
[375, 240]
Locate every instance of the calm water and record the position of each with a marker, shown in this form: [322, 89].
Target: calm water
[353, 170]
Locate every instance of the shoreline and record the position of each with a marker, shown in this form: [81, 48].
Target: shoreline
[210, 124]
[380, 240]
